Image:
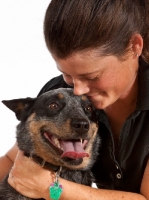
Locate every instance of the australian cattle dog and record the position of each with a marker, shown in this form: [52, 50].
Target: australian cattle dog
[57, 130]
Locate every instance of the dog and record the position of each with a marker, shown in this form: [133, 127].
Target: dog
[56, 129]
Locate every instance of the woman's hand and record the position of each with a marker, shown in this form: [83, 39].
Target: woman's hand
[30, 179]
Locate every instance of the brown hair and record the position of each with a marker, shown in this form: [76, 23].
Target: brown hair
[75, 25]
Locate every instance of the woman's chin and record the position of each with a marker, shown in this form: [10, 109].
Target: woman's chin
[99, 101]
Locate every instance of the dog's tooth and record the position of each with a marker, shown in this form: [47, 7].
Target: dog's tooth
[61, 146]
[57, 143]
[84, 143]
[81, 141]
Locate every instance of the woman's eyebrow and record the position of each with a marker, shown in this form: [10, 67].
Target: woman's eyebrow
[89, 73]
[85, 74]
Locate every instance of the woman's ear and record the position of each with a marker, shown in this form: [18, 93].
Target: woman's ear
[137, 44]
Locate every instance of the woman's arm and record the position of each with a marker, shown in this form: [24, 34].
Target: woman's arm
[6, 161]
[33, 181]
[75, 191]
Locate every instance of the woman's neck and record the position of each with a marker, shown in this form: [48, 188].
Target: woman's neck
[119, 111]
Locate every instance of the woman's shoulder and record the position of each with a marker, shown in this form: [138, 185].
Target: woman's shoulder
[54, 83]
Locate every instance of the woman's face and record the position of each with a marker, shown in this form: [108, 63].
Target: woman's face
[103, 79]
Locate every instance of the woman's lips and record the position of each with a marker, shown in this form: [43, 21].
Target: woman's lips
[94, 96]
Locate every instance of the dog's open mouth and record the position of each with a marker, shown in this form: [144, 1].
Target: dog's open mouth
[74, 149]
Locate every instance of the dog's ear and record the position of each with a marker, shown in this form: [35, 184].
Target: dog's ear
[19, 105]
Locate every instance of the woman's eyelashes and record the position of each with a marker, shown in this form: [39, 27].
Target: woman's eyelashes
[95, 78]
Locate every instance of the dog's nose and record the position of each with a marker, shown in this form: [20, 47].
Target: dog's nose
[80, 125]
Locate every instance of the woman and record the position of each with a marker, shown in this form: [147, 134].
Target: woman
[102, 49]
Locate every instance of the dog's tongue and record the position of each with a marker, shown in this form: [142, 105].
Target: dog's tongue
[73, 149]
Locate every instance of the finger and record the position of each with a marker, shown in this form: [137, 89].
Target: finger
[21, 188]
[11, 180]
[23, 161]
[20, 156]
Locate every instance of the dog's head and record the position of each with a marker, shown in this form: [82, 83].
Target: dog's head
[58, 126]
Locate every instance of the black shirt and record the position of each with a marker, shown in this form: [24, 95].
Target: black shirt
[124, 172]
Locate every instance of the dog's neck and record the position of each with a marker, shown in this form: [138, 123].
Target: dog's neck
[40, 161]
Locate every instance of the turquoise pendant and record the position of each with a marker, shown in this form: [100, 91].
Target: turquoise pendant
[55, 190]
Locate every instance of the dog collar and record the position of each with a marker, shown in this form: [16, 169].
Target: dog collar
[40, 161]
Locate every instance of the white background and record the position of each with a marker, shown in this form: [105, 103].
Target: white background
[25, 63]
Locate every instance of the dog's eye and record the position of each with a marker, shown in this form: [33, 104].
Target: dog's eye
[53, 106]
[88, 108]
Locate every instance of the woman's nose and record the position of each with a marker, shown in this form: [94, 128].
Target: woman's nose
[80, 88]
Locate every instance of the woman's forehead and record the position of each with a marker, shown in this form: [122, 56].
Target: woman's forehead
[85, 64]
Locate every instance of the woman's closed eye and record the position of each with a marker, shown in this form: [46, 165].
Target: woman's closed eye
[95, 78]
